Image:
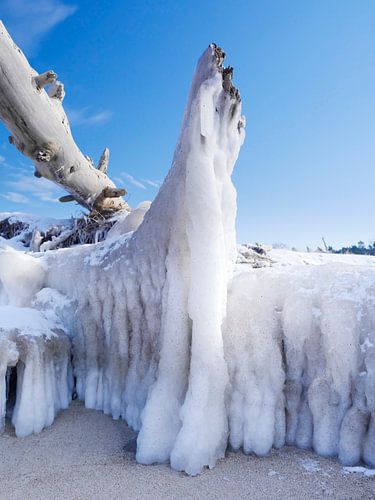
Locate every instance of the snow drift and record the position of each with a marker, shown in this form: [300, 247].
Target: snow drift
[166, 337]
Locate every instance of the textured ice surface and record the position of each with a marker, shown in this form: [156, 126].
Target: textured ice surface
[164, 336]
[149, 307]
[33, 341]
[300, 347]
[40, 351]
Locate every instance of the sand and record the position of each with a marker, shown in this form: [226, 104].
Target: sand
[86, 454]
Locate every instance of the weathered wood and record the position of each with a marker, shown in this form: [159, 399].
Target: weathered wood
[56, 90]
[44, 79]
[107, 193]
[67, 198]
[113, 192]
[40, 130]
[103, 161]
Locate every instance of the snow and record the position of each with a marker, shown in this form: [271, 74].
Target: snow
[130, 221]
[21, 277]
[360, 470]
[26, 320]
[29, 227]
[192, 350]
[281, 257]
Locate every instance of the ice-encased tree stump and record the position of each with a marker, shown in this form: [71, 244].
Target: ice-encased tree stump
[40, 130]
[289, 359]
[144, 323]
[147, 331]
[192, 357]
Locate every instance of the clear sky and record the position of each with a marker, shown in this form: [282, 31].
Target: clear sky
[306, 72]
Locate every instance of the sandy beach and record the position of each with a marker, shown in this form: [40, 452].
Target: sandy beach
[86, 454]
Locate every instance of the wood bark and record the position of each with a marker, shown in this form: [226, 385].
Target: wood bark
[41, 131]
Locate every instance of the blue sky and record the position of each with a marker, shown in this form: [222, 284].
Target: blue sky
[306, 72]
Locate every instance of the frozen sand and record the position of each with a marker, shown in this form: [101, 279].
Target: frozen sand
[86, 454]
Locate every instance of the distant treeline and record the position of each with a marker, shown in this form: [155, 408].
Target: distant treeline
[359, 249]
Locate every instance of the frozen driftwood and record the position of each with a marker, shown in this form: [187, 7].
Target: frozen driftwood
[40, 130]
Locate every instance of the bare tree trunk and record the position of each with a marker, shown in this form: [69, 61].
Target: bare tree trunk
[40, 130]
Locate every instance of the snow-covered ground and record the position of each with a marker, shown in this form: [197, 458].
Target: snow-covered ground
[283, 257]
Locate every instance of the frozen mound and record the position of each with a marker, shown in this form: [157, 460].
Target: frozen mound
[164, 336]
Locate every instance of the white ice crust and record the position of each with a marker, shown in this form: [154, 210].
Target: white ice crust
[167, 333]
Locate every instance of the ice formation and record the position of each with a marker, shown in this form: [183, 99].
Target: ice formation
[300, 348]
[33, 342]
[148, 334]
[168, 334]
